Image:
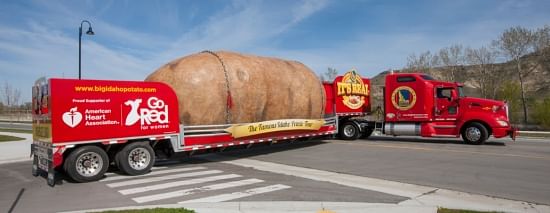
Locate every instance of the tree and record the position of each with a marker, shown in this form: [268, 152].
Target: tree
[511, 92]
[483, 59]
[452, 57]
[321, 77]
[10, 95]
[515, 43]
[541, 44]
[422, 63]
[330, 74]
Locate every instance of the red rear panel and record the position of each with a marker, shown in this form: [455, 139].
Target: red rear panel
[84, 110]
[329, 103]
[351, 93]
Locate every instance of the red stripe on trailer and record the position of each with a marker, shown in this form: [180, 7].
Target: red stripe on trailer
[234, 143]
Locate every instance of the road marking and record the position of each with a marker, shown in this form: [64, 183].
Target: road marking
[177, 183]
[162, 178]
[236, 195]
[379, 185]
[419, 195]
[110, 174]
[181, 193]
[110, 178]
[444, 150]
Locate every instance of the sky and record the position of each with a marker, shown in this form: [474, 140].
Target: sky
[134, 38]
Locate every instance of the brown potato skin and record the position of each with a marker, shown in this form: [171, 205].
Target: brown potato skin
[261, 88]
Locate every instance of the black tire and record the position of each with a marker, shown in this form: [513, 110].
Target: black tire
[349, 131]
[475, 133]
[136, 158]
[86, 163]
[367, 133]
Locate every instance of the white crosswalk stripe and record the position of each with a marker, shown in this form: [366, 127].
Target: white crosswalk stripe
[236, 195]
[181, 193]
[162, 178]
[166, 183]
[152, 169]
[155, 172]
[177, 183]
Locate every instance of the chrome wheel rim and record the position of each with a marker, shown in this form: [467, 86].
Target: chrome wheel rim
[349, 131]
[139, 158]
[89, 164]
[473, 134]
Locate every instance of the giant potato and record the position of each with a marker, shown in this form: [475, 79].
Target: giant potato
[259, 88]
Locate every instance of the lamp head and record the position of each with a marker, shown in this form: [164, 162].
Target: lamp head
[90, 32]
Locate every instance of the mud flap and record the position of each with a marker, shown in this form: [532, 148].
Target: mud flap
[514, 132]
[51, 170]
[34, 170]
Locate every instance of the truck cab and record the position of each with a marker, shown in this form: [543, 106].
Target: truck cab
[416, 104]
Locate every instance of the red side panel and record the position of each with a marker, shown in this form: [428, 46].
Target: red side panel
[351, 93]
[84, 110]
[408, 101]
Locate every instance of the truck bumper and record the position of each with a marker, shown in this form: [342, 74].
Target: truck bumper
[507, 131]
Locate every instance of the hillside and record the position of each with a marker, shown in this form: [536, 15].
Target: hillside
[537, 83]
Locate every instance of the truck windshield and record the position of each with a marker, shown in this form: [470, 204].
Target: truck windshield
[461, 92]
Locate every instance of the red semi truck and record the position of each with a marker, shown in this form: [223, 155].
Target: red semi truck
[83, 126]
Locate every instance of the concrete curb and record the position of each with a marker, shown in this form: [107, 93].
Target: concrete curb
[284, 206]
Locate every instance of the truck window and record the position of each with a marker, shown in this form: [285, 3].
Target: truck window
[444, 92]
[461, 92]
[427, 77]
[402, 79]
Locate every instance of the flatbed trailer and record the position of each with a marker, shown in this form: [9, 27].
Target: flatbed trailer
[80, 127]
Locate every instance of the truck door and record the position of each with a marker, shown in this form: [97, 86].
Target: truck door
[446, 107]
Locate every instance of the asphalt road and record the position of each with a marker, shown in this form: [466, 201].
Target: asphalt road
[14, 125]
[148, 190]
[513, 170]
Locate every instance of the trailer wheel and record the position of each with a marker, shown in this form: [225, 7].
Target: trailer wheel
[367, 133]
[349, 131]
[475, 133]
[86, 163]
[135, 158]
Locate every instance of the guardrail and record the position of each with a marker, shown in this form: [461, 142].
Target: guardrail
[534, 132]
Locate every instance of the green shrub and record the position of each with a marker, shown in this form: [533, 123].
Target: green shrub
[541, 113]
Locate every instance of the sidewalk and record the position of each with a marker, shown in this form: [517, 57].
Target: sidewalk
[286, 207]
[16, 151]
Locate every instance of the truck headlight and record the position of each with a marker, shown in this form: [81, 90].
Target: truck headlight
[502, 123]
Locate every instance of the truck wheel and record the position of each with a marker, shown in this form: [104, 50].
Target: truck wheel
[475, 133]
[367, 133]
[349, 131]
[86, 163]
[135, 158]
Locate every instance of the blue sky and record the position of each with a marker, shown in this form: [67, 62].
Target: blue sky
[133, 38]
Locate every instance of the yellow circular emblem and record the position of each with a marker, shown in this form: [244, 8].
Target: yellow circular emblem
[353, 90]
[403, 98]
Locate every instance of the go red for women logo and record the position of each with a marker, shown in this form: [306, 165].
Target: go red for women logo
[156, 111]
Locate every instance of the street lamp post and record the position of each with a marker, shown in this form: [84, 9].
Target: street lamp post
[89, 32]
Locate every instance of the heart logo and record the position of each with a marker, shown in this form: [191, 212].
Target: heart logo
[72, 118]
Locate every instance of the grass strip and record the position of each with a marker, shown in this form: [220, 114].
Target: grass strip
[4, 138]
[445, 210]
[16, 130]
